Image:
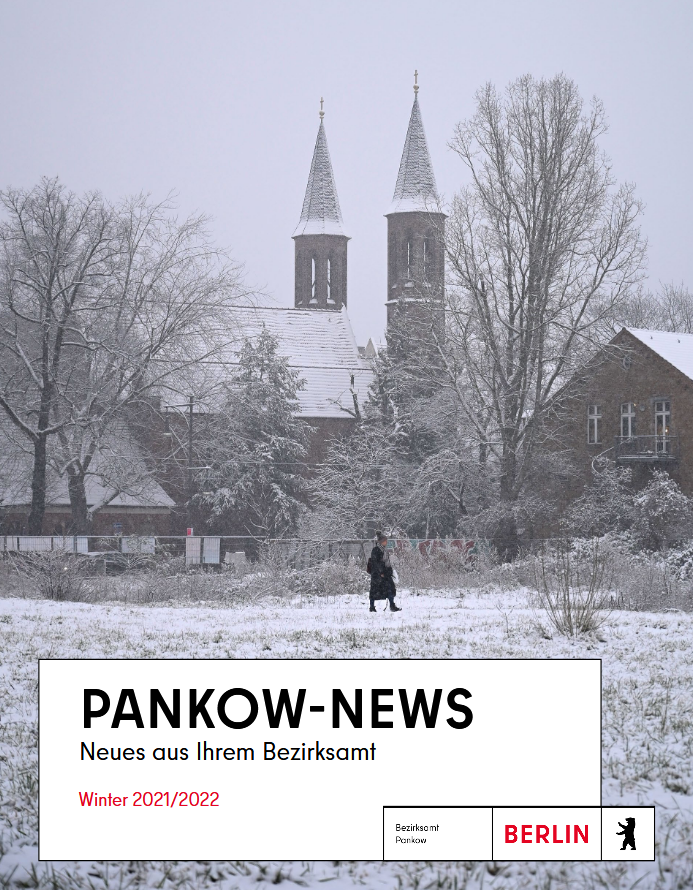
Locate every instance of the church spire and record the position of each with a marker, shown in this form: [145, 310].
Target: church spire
[319, 239]
[321, 214]
[415, 237]
[416, 184]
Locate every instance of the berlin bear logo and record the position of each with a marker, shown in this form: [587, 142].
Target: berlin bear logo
[628, 834]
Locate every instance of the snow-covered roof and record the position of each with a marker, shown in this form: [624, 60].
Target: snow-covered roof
[416, 184]
[118, 476]
[319, 344]
[677, 349]
[321, 214]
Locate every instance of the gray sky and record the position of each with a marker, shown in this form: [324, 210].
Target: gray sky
[219, 101]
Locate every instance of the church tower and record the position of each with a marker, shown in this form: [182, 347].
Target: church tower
[415, 233]
[320, 242]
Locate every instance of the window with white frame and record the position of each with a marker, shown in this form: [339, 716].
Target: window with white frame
[594, 424]
[628, 420]
[662, 425]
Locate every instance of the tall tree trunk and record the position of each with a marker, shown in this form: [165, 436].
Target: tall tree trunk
[38, 486]
[505, 538]
[81, 521]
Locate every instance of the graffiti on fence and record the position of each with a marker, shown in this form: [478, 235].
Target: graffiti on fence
[429, 546]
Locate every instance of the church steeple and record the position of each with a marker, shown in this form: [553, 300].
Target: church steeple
[320, 241]
[416, 184]
[416, 228]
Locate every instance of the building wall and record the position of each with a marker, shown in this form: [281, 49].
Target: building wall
[121, 521]
[415, 273]
[630, 372]
[320, 249]
[325, 431]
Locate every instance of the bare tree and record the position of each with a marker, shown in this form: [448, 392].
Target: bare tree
[542, 249]
[671, 309]
[101, 305]
[54, 247]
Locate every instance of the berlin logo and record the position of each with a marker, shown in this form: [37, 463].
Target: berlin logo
[628, 834]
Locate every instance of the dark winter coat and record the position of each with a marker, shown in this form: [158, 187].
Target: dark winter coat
[382, 583]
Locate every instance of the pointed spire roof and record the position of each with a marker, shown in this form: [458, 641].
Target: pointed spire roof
[416, 184]
[321, 214]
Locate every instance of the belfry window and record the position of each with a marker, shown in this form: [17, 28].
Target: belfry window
[330, 296]
[410, 258]
[313, 286]
[428, 259]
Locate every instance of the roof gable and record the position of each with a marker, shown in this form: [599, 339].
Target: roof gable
[677, 349]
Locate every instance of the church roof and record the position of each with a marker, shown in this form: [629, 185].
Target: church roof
[321, 214]
[416, 184]
[677, 349]
[319, 344]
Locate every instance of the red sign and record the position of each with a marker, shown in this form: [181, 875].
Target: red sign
[190, 531]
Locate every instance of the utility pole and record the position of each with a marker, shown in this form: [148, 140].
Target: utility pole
[190, 459]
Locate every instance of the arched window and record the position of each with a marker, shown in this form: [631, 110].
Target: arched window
[410, 257]
[428, 259]
[330, 297]
[313, 286]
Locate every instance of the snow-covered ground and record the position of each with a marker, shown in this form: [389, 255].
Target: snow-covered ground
[647, 723]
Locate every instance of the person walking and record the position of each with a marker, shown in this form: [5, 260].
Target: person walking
[382, 580]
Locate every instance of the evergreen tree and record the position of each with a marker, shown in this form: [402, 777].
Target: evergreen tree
[257, 447]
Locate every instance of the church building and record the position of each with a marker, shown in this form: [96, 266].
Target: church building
[316, 334]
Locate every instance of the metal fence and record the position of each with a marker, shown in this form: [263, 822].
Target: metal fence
[217, 550]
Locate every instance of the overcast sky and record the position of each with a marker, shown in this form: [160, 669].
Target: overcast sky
[219, 101]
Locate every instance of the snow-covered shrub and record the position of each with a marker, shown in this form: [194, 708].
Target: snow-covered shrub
[680, 561]
[331, 578]
[444, 567]
[662, 514]
[53, 574]
[574, 590]
[605, 506]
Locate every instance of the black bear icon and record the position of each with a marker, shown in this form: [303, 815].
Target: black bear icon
[628, 834]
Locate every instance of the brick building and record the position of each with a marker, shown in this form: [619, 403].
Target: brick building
[121, 492]
[635, 408]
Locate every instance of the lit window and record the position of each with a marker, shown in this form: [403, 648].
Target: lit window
[594, 424]
[627, 420]
[662, 425]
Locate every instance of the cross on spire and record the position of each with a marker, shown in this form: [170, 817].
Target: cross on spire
[321, 214]
[322, 113]
[416, 82]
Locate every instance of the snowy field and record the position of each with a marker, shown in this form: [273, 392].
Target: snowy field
[647, 745]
